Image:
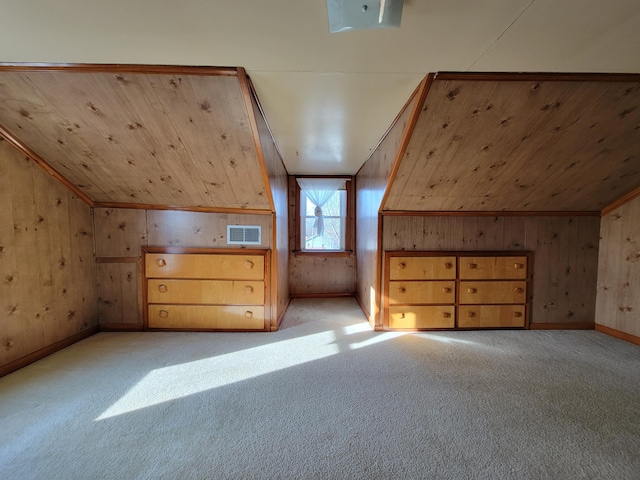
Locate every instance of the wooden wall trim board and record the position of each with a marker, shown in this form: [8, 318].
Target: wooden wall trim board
[121, 327]
[393, 124]
[406, 136]
[23, 148]
[116, 259]
[561, 326]
[46, 351]
[119, 68]
[246, 94]
[539, 76]
[146, 206]
[500, 213]
[632, 195]
[618, 334]
[323, 295]
[275, 326]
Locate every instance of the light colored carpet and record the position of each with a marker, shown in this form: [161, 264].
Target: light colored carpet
[326, 398]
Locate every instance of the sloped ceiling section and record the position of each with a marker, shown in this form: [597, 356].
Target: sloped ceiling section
[521, 143]
[159, 137]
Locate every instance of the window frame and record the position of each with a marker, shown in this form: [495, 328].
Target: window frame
[348, 245]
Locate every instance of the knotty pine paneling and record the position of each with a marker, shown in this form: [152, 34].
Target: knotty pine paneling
[371, 182]
[175, 140]
[46, 260]
[311, 274]
[492, 145]
[618, 299]
[278, 181]
[120, 234]
[119, 293]
[565, 254]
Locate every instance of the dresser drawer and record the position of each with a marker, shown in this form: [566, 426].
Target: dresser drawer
[420, 316]
[493, 292]
[483, 316]
[422, 292]
[422, 268]
[200, 266]
[209, 317]
[234, 292]
[513, 268]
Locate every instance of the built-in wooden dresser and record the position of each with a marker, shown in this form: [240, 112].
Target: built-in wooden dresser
[206, 289]
[456, 290]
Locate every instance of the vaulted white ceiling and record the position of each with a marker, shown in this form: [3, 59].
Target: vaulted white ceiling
[328, 97]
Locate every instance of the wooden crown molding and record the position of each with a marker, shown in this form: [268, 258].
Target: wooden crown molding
[23, 148]
[632, 195]
[150, 206]
[483, 213]
[539, 76]
[118, 68]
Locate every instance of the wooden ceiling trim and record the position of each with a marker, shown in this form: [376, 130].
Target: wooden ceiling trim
[246, 94]
[153, 206]
[119, 68]
[538, 76]
[484, 213]
[423, 89]
[632, 195]
[21, 147]
[273, 138]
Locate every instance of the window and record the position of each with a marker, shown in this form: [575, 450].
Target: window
[324, 219]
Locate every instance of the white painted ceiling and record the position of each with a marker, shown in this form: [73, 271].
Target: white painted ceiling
[328, 97]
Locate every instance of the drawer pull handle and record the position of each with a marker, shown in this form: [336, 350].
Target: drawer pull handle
[401, 315]
[161, 262]
[518, 290]
[472, 290]
[472, 266]
[517, 314]
[446, 290]
[162, 288]
[471, 314]
[163, 314]
[402, 289]
[248, 264]
[402, 266]
[248, 289]
[448, 265]
[446, 315]
[518, 266]
[248, 314]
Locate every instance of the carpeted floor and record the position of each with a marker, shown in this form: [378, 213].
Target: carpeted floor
[326, 398]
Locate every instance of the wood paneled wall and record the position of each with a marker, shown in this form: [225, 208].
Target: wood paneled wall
[371, 183]
[565, 251]
[47, 290]
[120, 234]
[618, 299]
[311, 274]
[278, 179]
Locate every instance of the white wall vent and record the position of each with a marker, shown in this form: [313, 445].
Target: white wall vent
[244, 235]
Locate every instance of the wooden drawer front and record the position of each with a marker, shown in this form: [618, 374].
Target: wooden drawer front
[489, 268]
[422, 268]
[168, 265]
[493, 292]
[422, 317]
[234, 292]
[422, 292]
[206, 317]
[482, 316]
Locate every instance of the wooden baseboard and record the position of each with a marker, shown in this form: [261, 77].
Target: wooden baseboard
[121, 327]
[46, 351]
[274, 328]
[562, 326]
[376, 328]
[618, 334]
[322, 295]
